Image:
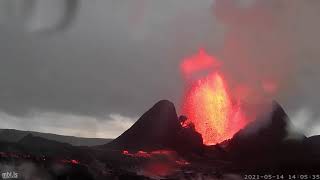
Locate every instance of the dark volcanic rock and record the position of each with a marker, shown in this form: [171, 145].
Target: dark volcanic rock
[154, 129]
[313, 141]
[188, 140]
[263, 144]
[266, 131]
[158, 128]
[312, 144]
[261, 137]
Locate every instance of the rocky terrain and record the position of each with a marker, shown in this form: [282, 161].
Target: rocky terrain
[158, 147]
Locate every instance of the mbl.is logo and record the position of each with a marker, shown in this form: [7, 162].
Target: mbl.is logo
[9, 175]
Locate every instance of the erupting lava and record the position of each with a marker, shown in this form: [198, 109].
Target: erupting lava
[209, 106]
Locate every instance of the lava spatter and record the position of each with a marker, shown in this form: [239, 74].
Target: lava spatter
[208, 105]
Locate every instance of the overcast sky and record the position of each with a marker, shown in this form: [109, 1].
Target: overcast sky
[117, 58]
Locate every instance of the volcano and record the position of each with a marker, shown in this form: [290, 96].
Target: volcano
[158, 128]
[261, 137]
[153, 129]
[159, 145]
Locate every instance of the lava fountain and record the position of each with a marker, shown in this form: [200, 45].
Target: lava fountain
[208, 104]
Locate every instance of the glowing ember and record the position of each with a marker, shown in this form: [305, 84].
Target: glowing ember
[209, 107]
[140, 154]
[168, 154]
[160, 162]
[72, 161]
[144, 154]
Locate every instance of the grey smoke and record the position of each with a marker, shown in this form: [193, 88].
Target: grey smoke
[276, 40]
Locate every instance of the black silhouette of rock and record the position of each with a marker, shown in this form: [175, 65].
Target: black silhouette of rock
[158, 128]
[313, 142]
[262, 135]
[188, 139]
[263, 145]
[266, 130]
[153, 130]
[312, 147]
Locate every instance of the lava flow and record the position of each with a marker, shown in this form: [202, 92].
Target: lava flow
[208, 104]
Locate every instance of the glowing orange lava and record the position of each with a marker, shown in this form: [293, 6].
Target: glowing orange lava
[209, 107]
[198, 62]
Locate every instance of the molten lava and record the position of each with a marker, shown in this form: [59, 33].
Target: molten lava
[209, 106]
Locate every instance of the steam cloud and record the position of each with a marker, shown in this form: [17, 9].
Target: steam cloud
[272, 47]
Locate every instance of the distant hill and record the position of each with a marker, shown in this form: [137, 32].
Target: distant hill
[13, 135]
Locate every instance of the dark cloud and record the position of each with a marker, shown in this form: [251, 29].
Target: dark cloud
[107, 62]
